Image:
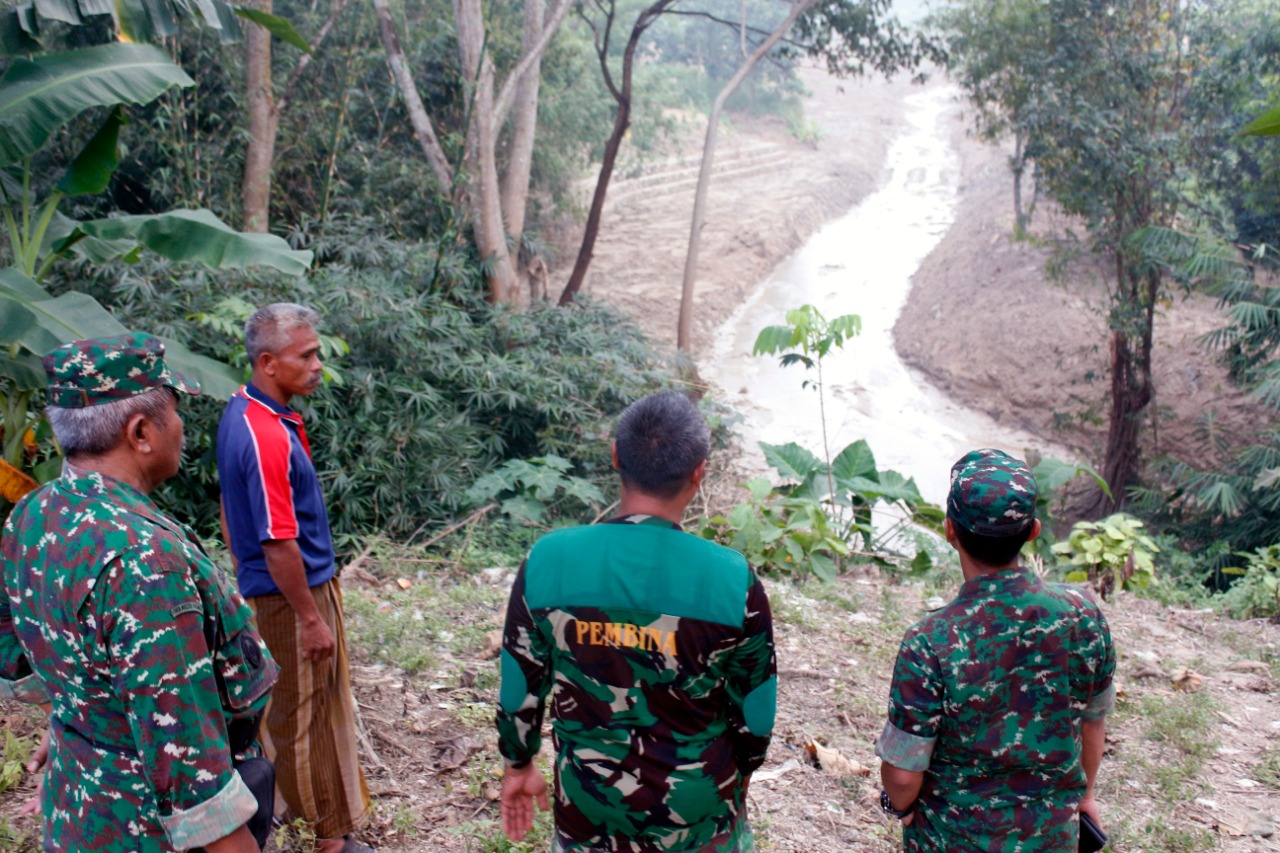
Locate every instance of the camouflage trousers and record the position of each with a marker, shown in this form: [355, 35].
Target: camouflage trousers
[746, 844]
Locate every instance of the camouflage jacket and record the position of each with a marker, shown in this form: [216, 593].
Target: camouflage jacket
[108, 609]
[656, 648]
[987, 699]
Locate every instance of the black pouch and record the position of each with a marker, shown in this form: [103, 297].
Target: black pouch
[1092, 838]
[260, 775]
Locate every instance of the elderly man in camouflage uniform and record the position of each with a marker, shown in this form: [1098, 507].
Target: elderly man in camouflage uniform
[998, 701]
[657, 648]
[114, 614]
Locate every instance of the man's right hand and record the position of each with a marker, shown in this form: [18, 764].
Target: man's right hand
[317, 640]
[520, 789]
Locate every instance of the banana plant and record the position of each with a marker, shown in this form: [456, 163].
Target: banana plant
[39, 96]
[136, 21]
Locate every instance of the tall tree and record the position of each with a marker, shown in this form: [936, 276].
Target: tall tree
[848, 35]
[264, 110]
[620, 89]
[996, 53]
[1103, 120]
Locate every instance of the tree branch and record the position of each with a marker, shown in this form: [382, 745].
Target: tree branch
[305, 61]
[422, 129]
[507, 94]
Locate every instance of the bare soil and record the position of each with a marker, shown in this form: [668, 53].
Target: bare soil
[1193, 757]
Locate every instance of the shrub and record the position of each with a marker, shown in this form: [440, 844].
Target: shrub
[438, 388]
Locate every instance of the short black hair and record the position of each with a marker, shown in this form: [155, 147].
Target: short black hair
[992, 551]
[661, 441]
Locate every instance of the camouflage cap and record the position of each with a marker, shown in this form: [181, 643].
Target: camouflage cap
[102, 370]
[992, 494]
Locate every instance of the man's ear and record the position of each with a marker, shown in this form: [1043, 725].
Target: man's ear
[613, 452]
[139, 431]
[699, 474]
[266, 363]
[949, 530]
[1035, 529]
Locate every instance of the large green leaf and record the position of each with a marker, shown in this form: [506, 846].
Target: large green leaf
[198, 235]
[792, 461]
[277, 26]
[40, 95]
[1267, 124]
[91, 171]
[773, 339]
[856, 460]
[37, 321]
[99, 251]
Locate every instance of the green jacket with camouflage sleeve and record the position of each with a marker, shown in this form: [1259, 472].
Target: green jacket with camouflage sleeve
[656, 648]
[109, 608]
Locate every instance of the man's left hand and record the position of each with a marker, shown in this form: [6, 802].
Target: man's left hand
[1089, 806]
[36, 764]
[520, 788]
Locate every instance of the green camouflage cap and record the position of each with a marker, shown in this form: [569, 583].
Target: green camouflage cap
[992, 494]
[102, 370]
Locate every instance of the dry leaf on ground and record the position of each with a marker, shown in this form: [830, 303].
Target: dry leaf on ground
[834, 763]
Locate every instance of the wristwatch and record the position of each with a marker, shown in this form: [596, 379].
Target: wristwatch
[887, 807]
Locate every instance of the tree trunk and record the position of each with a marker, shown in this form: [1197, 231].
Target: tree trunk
[1018, 165]
[515, 183]
[483, 191]
[685, 325]
[621, 121]
[423, 132]
[255, 197]
[1132, 388]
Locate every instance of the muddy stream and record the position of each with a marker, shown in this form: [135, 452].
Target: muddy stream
[862, 264]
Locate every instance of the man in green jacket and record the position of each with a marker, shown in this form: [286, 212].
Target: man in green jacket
[657, 649]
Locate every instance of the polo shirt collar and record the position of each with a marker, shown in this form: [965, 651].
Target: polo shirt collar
[257, 395]
[640, 518]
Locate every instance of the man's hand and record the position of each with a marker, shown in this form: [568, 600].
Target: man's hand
[317, 640]
[39, 758]
[520, 788]
[1089, 806]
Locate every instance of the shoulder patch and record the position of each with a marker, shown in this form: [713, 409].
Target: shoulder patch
[186, 607]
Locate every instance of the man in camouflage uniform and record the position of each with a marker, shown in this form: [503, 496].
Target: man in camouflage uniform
[113, 613]
[657, 649]
[998, 703]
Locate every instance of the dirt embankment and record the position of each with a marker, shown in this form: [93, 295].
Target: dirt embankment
[769, 193]
[987, 324]
[984, 321]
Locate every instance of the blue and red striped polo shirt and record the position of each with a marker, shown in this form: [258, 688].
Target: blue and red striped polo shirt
[270, 489]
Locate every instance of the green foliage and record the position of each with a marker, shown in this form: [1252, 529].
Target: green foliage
[526, 489]
[798, 528]
[1113, 553]
[807, 337]
[1267, 124]
[17, 751]
[439, 387]
[1257, 591]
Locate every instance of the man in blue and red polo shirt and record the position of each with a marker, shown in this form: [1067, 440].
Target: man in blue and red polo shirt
[278, 531]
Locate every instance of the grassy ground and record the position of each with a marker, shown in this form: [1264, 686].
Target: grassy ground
[1193, 758]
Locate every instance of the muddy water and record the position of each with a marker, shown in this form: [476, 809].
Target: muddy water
[862, 264]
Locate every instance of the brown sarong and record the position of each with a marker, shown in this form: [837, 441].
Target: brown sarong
[310, 723]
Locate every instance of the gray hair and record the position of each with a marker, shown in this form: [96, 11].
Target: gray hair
[268, 328]
[661, 440]
[93, 430]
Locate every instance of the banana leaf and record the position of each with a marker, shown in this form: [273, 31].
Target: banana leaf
[197, 235]
[40, 95]
[38, 322]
